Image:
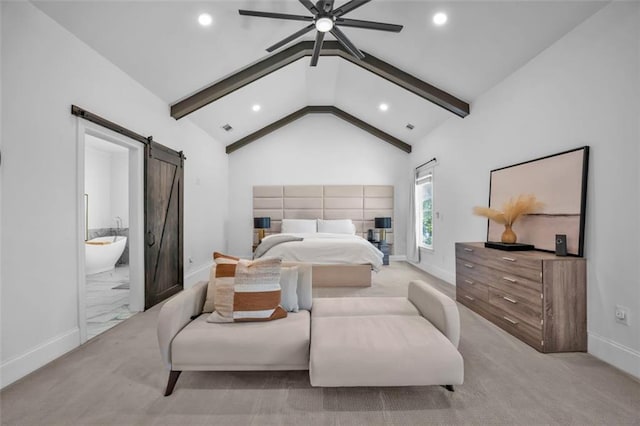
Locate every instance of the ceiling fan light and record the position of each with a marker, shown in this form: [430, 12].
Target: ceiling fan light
[324, 24]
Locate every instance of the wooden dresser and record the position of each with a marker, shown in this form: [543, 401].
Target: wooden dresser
[538, 297]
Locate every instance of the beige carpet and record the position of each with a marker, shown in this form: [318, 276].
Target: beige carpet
[117, 378]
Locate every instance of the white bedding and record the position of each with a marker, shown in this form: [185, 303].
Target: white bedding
[328, 249]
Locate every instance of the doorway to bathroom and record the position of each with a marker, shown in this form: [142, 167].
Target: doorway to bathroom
[112, 257]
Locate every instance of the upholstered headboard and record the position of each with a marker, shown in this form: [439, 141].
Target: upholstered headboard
[360, 203]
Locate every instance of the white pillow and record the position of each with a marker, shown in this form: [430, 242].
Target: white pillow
[289, 286]
[340, 226]
[299, 226]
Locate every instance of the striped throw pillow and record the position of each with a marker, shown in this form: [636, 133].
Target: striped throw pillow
[247, 290]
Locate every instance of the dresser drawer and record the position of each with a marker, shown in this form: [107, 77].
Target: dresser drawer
[472, 286]
[507, 281]
[471, 270]
[472, 301]
[516, 307]
[521, 264]
[496, 278]
[520, 329]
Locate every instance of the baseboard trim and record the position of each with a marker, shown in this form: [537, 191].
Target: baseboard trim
[200, 273]
[18, 367]
[443, 274]
[398, 257]
[614, 353]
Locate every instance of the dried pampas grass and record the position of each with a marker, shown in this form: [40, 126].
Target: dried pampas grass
[511, 210]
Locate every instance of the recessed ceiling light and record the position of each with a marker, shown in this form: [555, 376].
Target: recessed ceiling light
[256, 107]
[440, 18]
[205, 19]
[383, 107]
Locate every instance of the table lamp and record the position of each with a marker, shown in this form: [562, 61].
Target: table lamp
[261, 223]
[383, 223]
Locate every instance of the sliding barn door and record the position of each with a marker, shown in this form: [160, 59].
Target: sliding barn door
[163, 209]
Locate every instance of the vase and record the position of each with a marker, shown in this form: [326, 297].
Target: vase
[508, 236]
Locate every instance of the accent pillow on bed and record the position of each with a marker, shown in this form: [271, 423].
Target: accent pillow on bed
[299, 226]
[247, 290]
[338, 226]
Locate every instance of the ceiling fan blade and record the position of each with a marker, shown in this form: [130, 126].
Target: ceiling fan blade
[351, 48]
[369, 25]
[349, 6]
[310, 6]
[317, 47]
[291, 37]
[275, 15]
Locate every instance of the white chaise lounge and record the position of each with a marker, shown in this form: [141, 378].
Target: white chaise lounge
[369, 341]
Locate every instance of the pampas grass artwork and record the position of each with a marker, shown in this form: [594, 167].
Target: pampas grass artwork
[511, 211]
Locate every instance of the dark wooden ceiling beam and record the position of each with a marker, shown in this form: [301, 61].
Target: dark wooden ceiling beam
[318, 109]
[299, 50]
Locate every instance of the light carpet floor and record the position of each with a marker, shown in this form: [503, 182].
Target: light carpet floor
[118, 378]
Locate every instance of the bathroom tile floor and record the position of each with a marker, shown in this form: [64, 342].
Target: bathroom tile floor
[106, 306]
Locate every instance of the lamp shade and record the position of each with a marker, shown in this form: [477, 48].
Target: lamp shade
[383, 222]
[261, 222]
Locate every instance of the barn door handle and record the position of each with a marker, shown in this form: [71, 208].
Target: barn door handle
[151, 239]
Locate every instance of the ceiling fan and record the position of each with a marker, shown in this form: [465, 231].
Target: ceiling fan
[325, 19]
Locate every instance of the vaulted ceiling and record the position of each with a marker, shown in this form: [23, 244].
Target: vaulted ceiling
[162, 46]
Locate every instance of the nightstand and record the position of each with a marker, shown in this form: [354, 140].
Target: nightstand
[385, 248]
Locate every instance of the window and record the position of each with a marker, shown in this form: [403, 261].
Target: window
[424, 207]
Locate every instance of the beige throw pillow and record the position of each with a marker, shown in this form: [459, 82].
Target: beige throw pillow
[209, 305]
[247, 290]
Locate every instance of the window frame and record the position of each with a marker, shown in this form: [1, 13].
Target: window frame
[426, 171]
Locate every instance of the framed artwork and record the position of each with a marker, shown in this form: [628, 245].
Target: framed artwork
[560, 182]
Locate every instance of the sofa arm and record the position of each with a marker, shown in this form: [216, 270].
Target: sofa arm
[177, 313]
[438, 308]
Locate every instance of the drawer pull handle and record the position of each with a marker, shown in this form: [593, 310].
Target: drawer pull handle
[468, 249]
[508, 259]
[510, 320]
[468, 281]
[511, 280]
[469, 297]
[508, 299]
[468, 265]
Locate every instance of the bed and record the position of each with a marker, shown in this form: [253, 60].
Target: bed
[320, 204]
[338, 259]
[326, 249]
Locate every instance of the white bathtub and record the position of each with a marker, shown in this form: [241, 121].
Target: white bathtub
[103, 257]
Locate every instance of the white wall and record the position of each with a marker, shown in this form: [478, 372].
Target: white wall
[45, 69]
[97, 185]
[120, 188]
[107, 185]
[315, 150]
[583, 90]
